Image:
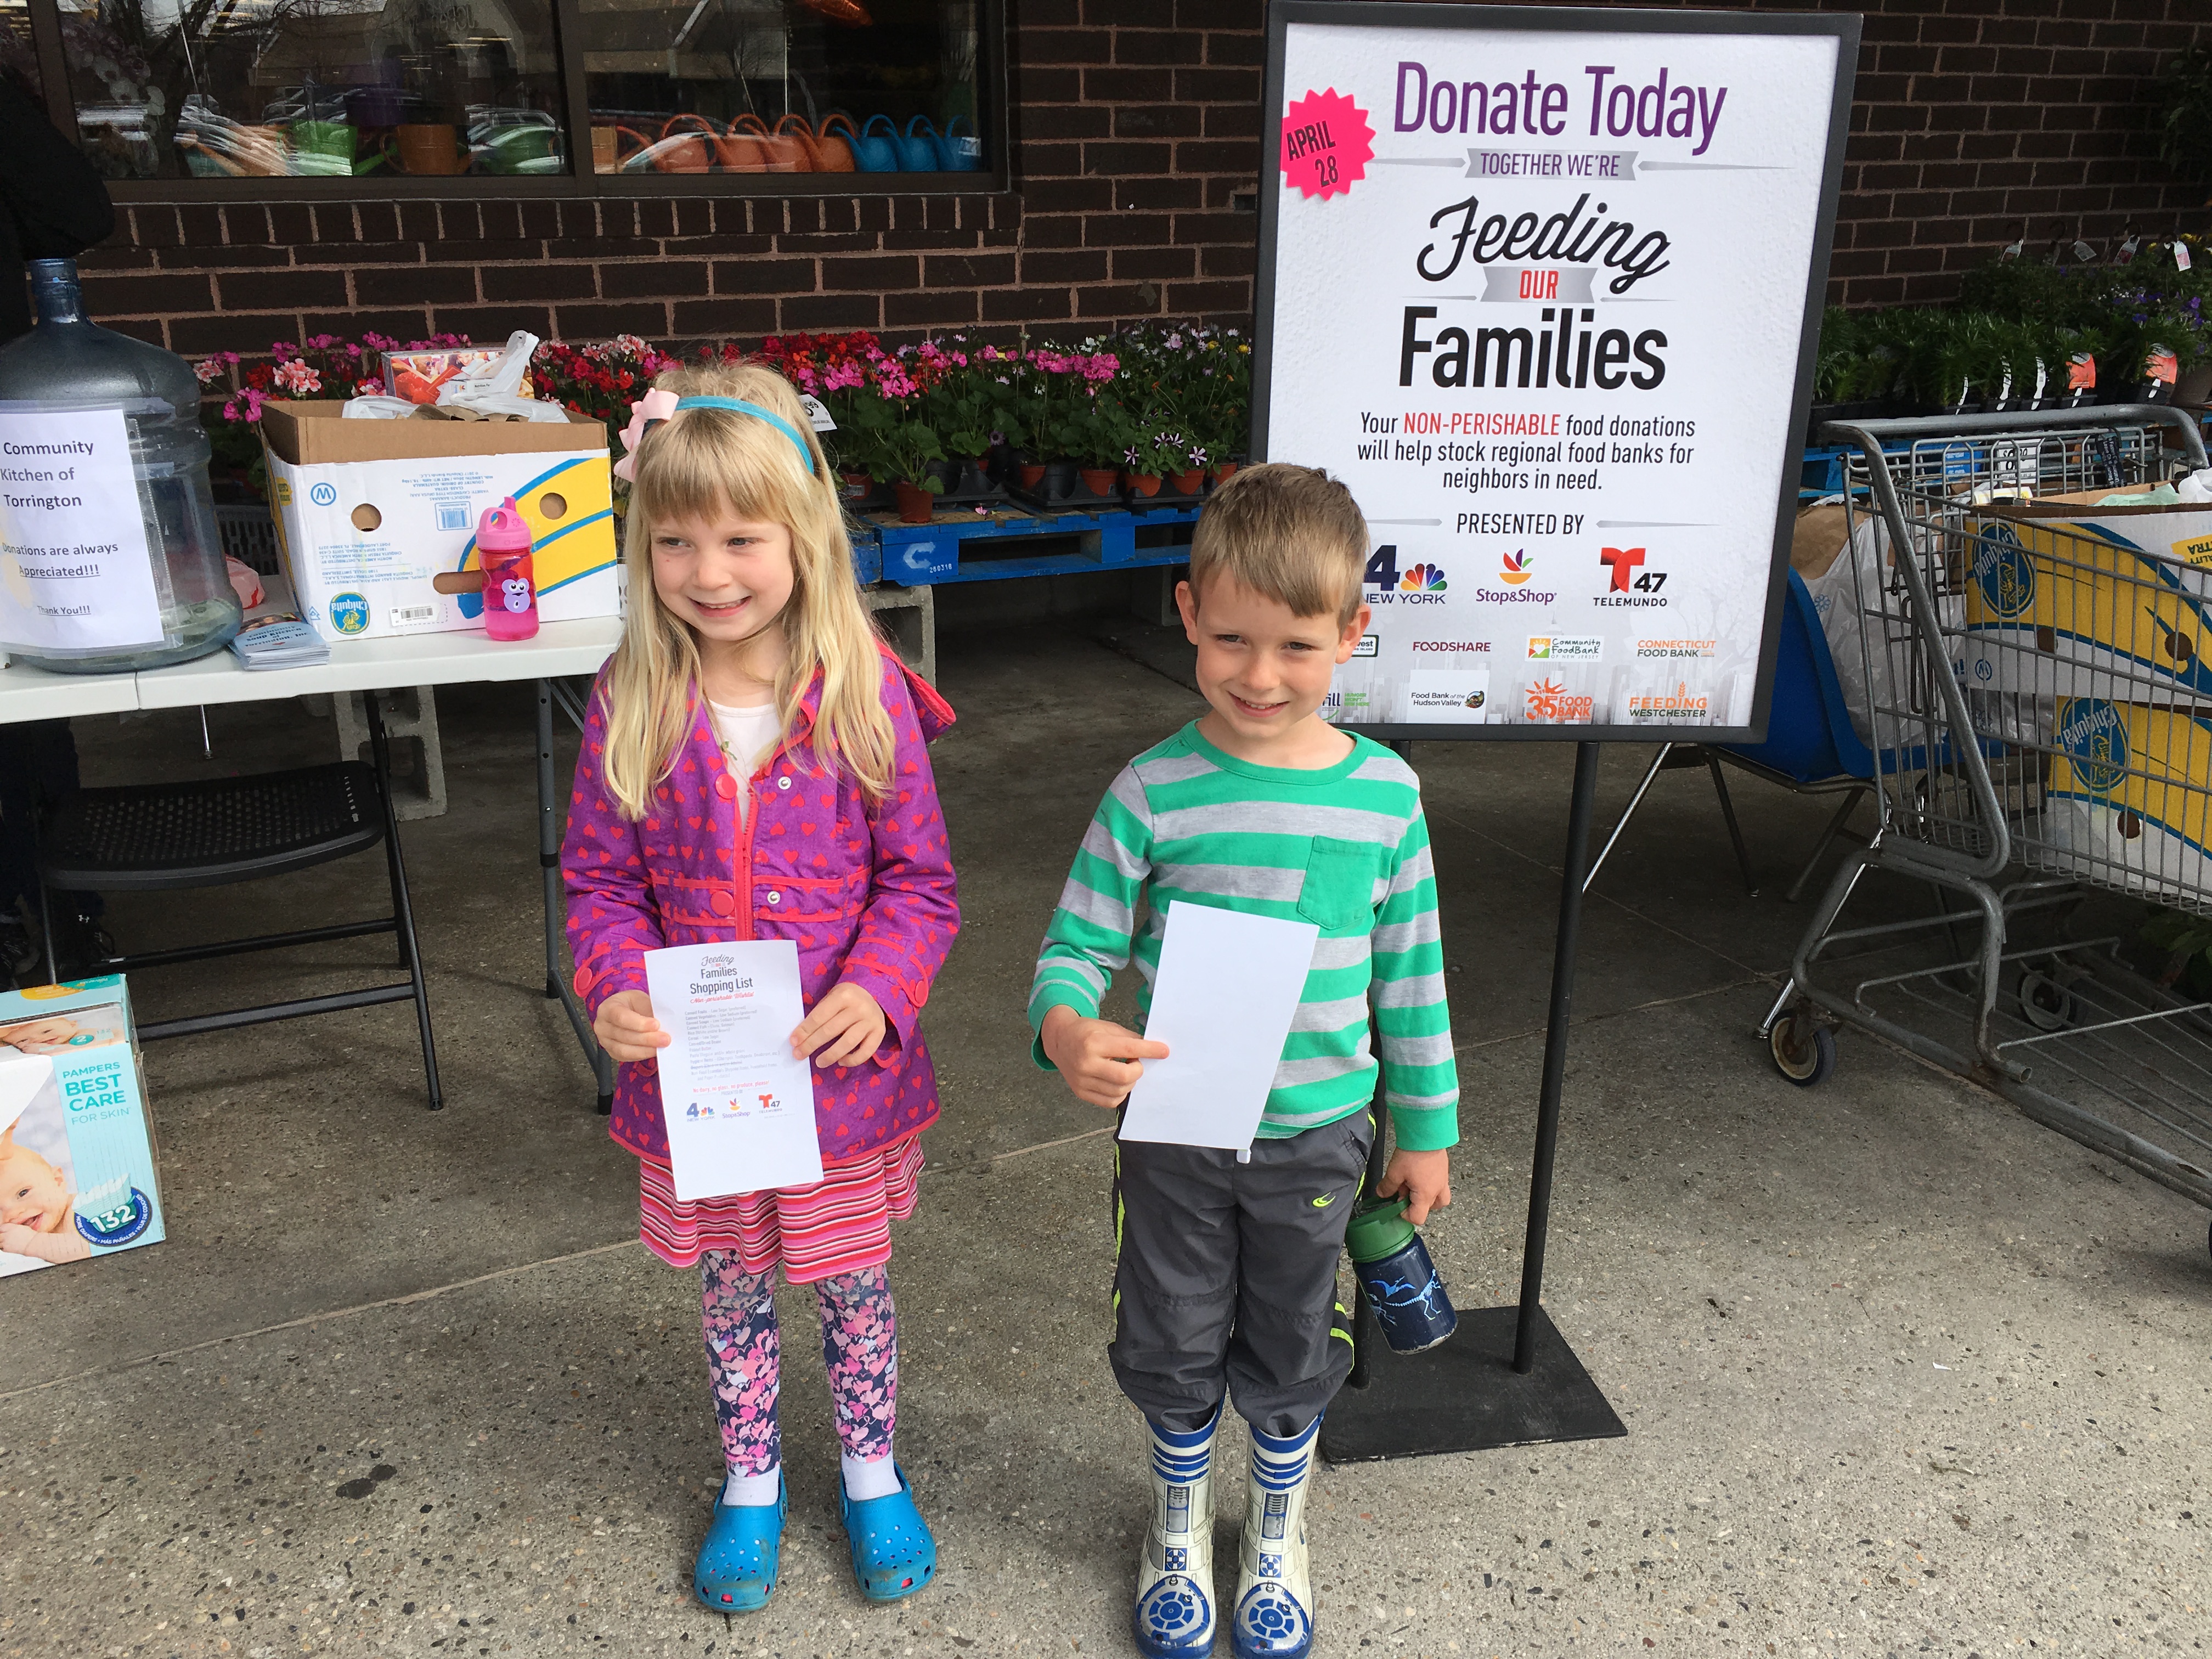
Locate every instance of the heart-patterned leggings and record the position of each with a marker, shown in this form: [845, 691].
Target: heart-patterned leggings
[859, 1346]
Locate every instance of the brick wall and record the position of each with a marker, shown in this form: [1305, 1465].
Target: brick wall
[1136, 125]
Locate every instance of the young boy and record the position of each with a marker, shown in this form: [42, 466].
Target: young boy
[1226, 1273]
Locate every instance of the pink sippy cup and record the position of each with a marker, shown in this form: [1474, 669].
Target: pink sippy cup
[510, 589]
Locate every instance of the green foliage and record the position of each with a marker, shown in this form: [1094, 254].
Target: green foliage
[2011, 315]
[2186, 114]
[2187, 942]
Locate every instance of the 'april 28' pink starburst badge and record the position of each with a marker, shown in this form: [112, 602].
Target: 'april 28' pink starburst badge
[1326, 143]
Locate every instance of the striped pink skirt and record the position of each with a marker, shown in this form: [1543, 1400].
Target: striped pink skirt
[838, 1226]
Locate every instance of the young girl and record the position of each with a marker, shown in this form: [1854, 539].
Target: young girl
[754, 768]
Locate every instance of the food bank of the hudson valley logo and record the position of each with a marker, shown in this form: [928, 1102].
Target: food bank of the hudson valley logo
[1423, 579]
[1516, 568]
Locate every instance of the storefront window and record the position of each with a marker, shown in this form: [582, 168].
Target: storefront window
[18, 55]
[334, 88]
[781, 86]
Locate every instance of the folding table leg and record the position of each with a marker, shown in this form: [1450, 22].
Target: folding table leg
[556, 904]
[402, 908]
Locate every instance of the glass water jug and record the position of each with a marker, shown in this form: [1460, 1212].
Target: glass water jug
[68, 362]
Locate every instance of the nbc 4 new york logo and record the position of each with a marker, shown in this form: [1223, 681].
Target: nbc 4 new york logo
[1417, 584]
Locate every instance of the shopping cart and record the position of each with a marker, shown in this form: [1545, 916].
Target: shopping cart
[2033, 684]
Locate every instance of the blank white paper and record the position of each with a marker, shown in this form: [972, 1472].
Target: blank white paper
[1228, 989]
[739, 1104]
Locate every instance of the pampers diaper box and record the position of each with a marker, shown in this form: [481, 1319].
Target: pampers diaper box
[2070, 596]
[369, 514]
[76, 1144]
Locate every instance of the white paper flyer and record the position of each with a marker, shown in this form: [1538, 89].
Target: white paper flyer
[739, 1104]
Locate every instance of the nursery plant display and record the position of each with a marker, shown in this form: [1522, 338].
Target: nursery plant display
[2027, 333]
[1158, 410]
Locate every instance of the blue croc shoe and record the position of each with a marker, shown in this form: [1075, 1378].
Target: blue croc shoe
[893, 1553]
[736, 1571]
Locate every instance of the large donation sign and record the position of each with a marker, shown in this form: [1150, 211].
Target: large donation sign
[1543, 287]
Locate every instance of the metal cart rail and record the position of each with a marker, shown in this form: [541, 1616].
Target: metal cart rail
[2038, 694]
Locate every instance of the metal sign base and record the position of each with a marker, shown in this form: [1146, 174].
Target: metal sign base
[1506, 1377]
[1465, 1395]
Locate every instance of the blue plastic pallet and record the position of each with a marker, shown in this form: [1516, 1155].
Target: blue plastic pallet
[989, 547]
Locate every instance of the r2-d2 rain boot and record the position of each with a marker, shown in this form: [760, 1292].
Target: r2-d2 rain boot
[1274, 1616]
[1174, 1613]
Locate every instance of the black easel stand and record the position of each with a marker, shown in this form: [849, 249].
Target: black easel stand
[1506, 1377]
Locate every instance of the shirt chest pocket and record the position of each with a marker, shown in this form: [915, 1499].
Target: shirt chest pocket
[1337, 894]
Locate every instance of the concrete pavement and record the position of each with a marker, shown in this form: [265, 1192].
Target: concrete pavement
[1902, 1371]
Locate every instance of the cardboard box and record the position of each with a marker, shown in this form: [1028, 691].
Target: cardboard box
[2129, 800]
[76, 1145]
[368, 512]
[2114, 602]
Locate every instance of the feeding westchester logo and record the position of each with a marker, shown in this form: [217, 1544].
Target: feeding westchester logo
[1423, 579]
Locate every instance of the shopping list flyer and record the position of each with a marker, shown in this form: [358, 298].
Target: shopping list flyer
[739, 1104]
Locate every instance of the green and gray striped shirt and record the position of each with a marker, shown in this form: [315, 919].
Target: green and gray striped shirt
[1344, 847]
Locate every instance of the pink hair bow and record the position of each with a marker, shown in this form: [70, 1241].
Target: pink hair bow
[655, 407]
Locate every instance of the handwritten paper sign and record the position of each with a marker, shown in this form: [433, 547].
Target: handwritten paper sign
[75, 572]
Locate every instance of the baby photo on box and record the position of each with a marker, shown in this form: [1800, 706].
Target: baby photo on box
[76, 1163]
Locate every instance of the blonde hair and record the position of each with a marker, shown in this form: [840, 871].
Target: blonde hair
[702, 462]
[1291, 533]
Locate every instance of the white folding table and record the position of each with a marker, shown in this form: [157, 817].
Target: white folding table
[559, 651]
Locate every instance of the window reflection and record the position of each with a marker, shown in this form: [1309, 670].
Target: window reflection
[378, 88]
[781, 86]
[19, 56]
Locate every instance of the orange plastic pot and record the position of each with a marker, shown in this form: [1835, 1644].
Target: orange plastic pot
[695, 153]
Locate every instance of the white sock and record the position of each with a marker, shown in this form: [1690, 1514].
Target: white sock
[875, 1477]
[753, 1489]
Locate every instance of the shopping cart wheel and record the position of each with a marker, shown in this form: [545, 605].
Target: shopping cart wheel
[2045, 1003]
[1804, 1049]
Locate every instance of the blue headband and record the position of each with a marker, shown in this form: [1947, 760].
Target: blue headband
[739, 405]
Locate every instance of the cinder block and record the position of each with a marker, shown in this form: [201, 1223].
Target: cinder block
[418, 764]
[1152, 593]
[911, 615]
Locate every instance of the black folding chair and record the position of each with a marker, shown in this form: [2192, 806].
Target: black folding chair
[164, 837]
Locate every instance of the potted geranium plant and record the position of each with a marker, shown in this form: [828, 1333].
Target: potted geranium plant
[907, 448]
[1107, 432]
[1153, 454]
[965, 408]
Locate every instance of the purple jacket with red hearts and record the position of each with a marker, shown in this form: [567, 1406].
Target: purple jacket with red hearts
[864, 890]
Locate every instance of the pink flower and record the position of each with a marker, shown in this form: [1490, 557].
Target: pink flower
[207, 370]
[299, 377]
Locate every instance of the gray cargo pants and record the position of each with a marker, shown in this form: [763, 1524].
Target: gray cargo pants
[1224, 1276]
